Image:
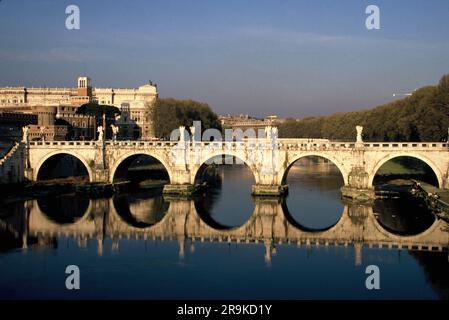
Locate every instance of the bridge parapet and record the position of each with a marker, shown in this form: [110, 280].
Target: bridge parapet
[408, 145]
[287, 144]
[47, 144]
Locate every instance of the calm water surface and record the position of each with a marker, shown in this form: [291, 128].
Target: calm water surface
[224, 244]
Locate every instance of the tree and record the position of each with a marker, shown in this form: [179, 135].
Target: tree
[97, 110]
[424, 116]
[169, 113]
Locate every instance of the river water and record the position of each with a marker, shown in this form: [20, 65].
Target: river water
[224, 244]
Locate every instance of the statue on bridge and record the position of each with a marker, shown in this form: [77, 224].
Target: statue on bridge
[271, 132]
[42, 132]
[182, 136]
[192, 132]
[115, 130]
[100, 133]
[25, 134]
[359, 134]
[268, 132]
[275, 133]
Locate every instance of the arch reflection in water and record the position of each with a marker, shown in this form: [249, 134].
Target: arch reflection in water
[64, 209]
[226, 202]
[142, 208]
[358, 227]
[403, 217]
[147, 257]
[314, 198]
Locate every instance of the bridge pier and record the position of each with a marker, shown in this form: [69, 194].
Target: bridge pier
[358, 186]
[269, 190]
[29, 174]
[180, 189]
[359, 194]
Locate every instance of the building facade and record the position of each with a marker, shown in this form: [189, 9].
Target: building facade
[245, 122]
[136, 101]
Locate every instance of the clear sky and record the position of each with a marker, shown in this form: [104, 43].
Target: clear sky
[291, 58]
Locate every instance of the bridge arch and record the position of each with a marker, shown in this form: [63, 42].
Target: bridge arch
[121, 159]
[65, 152]
[210, 206]
[385, 159]
[341, 168]
[196, 168]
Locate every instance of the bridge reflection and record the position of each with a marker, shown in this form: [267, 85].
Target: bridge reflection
[177, 219]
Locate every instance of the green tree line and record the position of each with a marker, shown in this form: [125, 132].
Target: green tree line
[168, 114]
[423, 116]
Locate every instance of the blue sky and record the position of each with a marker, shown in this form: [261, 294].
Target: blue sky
[292, 58]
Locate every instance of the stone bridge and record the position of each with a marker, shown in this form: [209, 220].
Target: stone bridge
[268, 159]
[358, 227]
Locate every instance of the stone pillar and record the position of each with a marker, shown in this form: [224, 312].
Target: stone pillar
[180, 180]
[358, 188]
[99, 165]
[359, 139]
[180, 189]
[269, 190]
[446, 180]
[267, 165]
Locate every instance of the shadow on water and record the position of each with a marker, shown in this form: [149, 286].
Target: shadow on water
[64, 209]
[436, 270]
[405, 217]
